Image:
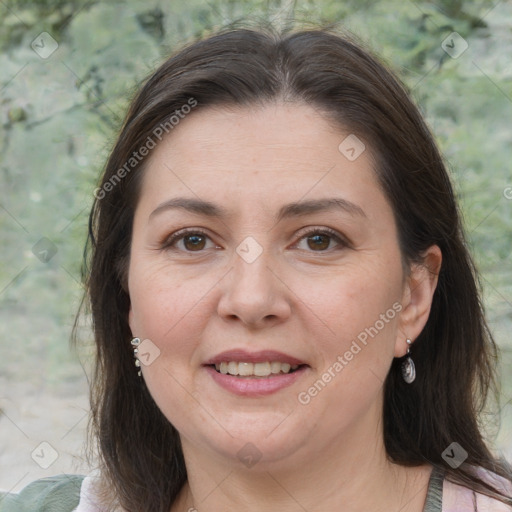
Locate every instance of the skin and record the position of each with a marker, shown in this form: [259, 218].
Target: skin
[296, 298]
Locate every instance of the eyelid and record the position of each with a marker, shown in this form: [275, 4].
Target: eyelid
[323, 230]
[168, 241]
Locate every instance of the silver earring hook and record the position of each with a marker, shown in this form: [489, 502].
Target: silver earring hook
[135, 342]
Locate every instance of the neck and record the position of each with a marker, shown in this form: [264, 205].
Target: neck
[352, 474]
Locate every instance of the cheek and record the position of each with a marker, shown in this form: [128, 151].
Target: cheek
[360, 307]
[355, 299]
[169, 312]
[161, 302]
[173, 310]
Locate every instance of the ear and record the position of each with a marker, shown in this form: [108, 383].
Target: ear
[419, 288]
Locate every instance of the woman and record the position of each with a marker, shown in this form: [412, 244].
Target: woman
[285, 311]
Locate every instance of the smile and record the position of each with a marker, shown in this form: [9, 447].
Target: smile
[263, 369]
[252, 385]
[255, 373]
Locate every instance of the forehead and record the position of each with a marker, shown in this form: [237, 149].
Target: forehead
[272, 152]
[290, 129]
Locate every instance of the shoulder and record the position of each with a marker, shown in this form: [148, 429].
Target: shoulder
[457, 498]
[59, 493]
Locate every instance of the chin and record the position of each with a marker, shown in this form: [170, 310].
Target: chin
[269, 443]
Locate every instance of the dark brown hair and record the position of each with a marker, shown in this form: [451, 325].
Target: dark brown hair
[455, 355]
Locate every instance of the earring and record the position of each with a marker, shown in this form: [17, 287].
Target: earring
[408, 368]
[135, 343]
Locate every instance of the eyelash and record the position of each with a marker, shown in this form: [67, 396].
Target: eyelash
[168, 242]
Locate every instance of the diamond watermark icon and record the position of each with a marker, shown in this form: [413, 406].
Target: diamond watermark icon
[455, 455]
[44, 250]
[44, 45]
[249, 250]
[454, 45]
[351, 147]
[249, 455]
[148, 352]
[44, 455]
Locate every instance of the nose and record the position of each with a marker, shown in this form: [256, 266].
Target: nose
[254, 293]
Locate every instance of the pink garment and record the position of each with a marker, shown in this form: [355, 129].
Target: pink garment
[88, 499]
[461, 499]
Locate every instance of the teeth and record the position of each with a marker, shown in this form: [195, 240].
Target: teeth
[262, 369]
[245, 369]
[254, 369]
[275, 367]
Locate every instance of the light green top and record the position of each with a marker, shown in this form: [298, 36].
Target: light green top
[59, 493]
[434, 500]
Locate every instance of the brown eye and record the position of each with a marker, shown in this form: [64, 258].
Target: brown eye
[194, 242]
[320, 240]
[188, 240]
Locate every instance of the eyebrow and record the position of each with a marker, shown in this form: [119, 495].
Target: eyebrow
[290, 210]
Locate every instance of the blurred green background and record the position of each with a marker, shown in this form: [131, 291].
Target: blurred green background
[67, 72]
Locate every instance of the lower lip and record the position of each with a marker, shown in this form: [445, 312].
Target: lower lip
[256, 386]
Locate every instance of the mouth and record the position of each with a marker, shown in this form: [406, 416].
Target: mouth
[255, 374]
[261, 370]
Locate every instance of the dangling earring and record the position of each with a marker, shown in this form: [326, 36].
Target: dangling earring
[408, 368]
[135, 343]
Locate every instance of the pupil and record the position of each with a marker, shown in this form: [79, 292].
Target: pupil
[194, 241]
[318, 241]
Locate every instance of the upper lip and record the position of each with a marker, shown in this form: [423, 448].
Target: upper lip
[262, 356]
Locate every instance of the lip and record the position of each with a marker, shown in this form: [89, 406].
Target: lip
[255, 386]
[244, 356]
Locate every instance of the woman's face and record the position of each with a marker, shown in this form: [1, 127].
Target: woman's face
[289, 275]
